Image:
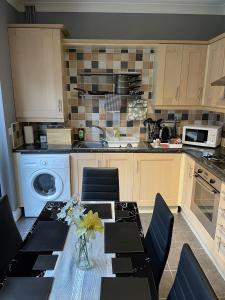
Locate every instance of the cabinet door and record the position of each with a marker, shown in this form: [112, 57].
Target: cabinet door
[187, 166]
[192, 74]
[78, 162]
[37, 73]
[169, 72]
[124, 163]
[156, 173]
[214, 95]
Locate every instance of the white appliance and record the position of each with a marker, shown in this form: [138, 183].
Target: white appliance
[202, 135]
[44, 178]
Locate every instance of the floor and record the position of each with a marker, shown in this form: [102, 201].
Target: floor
[181, 234]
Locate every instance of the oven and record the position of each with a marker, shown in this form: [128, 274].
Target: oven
[205, 198]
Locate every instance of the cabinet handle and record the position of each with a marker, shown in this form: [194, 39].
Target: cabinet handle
[137, 166]
[177, 93]
[200, 93]
[60, 105]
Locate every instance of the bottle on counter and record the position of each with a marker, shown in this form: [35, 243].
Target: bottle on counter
[81, 134]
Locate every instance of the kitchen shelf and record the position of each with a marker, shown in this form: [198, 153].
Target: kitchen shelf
[109, 74]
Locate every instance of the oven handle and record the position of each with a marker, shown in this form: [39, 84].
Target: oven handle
[205, 185]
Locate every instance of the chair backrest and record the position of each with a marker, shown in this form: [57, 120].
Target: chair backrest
[100, 184]
[10, 238]
[158, 237]
[190, 281]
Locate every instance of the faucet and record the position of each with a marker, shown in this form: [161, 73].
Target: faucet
[103, 130]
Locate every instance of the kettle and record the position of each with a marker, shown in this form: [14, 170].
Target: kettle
[164, 134]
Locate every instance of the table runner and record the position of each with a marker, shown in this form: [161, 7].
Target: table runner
[73, 283]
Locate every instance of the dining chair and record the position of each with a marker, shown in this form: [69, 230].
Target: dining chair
[158, 237]
[10, 237]
[100, 184]
[190, 281]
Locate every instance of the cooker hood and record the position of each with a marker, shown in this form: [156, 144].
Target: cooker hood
[219, 82]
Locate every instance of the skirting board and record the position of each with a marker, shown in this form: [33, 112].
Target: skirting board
[17, 214]
[203, 245]
[149, 209]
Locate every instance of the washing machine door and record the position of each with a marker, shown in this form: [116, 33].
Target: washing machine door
[46, 185]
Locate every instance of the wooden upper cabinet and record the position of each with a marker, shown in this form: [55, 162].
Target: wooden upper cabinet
[168, 74]
[37, 71]
[192, 74]
[214, 95]
[180, 78]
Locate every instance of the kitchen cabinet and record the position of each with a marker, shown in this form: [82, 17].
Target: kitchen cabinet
[124, 163]
[37, 73]
[192, 75]
[219, 245]
[77, 163]
[180, 75]
[141, 175]
[186, 182]
[214, 95]
[168, 74]
[155, 173]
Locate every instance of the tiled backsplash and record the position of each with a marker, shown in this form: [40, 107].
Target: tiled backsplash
[87, 111]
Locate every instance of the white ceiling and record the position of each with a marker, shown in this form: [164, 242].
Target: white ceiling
[214, 7]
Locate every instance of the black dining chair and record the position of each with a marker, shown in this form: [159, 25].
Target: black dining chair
[10, 238]
[158, 237]
[190, 281]
[100, 184]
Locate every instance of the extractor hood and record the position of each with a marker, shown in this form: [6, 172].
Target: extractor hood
[219, 82]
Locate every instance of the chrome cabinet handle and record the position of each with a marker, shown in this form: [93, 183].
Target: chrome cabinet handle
[200, 93]
[177, 93]
[60, 105]
[137, 166]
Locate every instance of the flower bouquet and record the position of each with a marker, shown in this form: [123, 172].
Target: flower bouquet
[86, 227]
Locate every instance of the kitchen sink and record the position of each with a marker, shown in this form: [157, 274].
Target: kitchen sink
[87, 145]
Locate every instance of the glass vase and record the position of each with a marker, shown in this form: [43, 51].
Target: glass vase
[83, 255]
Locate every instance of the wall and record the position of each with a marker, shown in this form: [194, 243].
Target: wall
[136, 26]
[7, 111]
[87, 110]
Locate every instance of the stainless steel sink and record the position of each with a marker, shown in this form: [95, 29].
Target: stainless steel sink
[87, 145]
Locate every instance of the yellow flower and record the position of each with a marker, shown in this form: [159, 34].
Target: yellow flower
[91, 221]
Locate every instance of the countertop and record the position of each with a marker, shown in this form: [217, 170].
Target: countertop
[143, 147]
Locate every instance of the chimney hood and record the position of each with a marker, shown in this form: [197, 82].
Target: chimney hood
[219, 82]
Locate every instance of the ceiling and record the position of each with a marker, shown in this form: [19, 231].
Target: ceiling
[214, 7]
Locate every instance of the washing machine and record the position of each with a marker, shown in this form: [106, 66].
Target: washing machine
[44, 178]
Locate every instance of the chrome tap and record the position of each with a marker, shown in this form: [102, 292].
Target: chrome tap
[103, 130]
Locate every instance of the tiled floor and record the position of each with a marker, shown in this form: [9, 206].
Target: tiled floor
[181, 234]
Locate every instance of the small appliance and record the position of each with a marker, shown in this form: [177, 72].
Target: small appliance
[201, 135]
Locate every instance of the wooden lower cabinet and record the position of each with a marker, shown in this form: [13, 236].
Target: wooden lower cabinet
[141, 175]
[77, 162]
[156, 173]
[186, 181]
[124, 163]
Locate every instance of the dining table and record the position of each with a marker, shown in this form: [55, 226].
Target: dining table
[68, 282]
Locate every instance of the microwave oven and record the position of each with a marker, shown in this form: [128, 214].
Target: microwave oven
[202, 135]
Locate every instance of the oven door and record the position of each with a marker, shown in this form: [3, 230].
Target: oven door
[204, 204]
